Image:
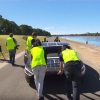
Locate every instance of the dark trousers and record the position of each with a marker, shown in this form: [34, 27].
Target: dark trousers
[73, 81]
[75, 84]
[12, 56]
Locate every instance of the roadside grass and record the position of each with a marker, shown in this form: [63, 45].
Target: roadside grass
[20, 41]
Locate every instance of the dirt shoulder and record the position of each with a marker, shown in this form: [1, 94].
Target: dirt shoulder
[89, 51]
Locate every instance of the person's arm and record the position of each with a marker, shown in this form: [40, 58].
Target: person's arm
[15, 41]
[31, 57]
[61, 64]
[45, 56]
[6, 43]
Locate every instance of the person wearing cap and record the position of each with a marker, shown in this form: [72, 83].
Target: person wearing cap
[29, 39]
[57, 39]
[72, 71]
[11, 43]
[44, 40]
[38, 66]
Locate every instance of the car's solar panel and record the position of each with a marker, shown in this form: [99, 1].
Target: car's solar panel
[53, 62]
[51, 43]
[44, 44]
[54, 43]
[62, 43]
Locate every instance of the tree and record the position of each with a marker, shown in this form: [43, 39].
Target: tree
[1, 23]
[25, 29]
[7, 27]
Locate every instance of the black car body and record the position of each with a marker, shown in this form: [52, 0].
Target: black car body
[53, 50]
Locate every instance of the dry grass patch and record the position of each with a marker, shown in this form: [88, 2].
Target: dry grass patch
[20, 40]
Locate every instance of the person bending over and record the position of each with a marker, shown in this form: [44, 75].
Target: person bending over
[38, 66]
[72, 71]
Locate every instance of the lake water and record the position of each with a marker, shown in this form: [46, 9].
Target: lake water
[91, 40]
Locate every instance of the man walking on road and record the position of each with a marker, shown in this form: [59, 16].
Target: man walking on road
[72, 71]
[11, 44]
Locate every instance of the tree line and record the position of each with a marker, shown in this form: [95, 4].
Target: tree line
[84, 34]
[7, 27]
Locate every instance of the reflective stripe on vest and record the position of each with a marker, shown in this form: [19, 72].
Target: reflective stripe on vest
[10, 43]
[57, 41]
[37, 56]
[70, 55]
[29, 45]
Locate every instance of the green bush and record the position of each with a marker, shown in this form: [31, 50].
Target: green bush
[47, 36]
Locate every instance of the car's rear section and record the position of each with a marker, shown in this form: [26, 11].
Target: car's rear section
[52, 64]
[52, 51]
[51, 68]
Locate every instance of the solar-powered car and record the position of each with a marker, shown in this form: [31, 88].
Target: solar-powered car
[53, 50]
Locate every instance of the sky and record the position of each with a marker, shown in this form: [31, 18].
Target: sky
[54, 16]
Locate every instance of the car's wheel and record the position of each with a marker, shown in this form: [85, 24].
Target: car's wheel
[29, 79]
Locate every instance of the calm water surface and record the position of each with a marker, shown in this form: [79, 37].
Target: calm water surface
[91, 40]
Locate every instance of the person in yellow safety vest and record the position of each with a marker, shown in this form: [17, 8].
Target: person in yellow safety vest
[38, 66]
[72, 71]
[57, 39]
[44, 40]
[11, 44]
[29, 39]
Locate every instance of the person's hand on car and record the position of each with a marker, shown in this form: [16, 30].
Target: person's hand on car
[60, 72]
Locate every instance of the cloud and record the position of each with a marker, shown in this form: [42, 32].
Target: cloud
[49, 27]
[63, 27]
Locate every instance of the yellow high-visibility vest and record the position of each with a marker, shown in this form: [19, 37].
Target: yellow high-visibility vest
[57, 41]
[29, 44]
[37, 56]
[70, 55]
[44, 41]
[10, 43]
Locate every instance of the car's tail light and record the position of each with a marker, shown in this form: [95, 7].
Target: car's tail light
[47, 70]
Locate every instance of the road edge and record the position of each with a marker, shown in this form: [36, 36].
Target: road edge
[16, 57]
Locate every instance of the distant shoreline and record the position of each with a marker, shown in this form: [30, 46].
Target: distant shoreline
[88, 36]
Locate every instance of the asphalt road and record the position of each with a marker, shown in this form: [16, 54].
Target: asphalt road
[13, 85]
